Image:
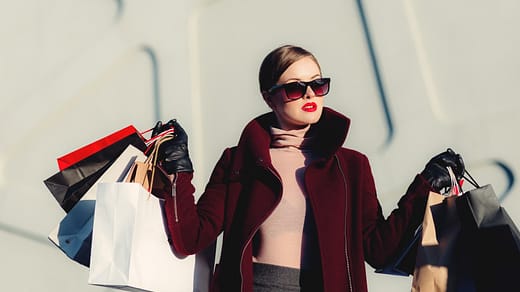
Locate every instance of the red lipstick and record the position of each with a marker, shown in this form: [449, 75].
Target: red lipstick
[310, 107]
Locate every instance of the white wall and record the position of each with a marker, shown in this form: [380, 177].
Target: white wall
[72, 71]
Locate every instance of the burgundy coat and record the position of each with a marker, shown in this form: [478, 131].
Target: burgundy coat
[244, 188]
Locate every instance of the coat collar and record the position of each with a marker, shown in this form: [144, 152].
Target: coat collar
[330, 130]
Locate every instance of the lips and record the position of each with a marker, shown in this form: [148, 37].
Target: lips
[310, 107]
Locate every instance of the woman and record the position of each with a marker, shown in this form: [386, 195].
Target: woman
[298, 211]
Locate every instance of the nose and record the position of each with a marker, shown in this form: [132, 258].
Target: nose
[309, 93]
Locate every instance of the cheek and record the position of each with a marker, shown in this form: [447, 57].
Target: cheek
[279, 107]
[291, 109]
[277, 102]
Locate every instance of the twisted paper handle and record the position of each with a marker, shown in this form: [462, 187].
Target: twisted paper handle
[152, 158]
[455, 189]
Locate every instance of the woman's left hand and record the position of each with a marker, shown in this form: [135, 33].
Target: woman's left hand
[436, 172]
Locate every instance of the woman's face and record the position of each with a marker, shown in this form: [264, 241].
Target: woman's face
[297, 113]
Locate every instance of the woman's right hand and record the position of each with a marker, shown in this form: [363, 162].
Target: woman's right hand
[173, 154]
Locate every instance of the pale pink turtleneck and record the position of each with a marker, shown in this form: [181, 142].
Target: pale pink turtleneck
[280, 238]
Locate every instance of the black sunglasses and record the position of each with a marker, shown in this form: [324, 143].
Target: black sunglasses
[297, 89]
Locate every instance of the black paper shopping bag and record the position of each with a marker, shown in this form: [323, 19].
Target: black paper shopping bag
[70, 184]
[489, 247]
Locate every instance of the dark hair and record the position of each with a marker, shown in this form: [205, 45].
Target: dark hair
[277, 61]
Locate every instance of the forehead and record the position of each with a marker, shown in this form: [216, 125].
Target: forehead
[304, 69]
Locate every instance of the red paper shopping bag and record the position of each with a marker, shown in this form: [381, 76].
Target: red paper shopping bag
[79, 154]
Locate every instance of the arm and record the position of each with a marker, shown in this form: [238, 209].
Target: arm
[382, 237]
[192, 226]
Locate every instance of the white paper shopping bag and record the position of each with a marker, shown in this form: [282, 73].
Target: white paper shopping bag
[130, 248]
[73, 234]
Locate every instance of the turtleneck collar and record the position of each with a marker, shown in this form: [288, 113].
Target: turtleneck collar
[328, 133]
[290, 138]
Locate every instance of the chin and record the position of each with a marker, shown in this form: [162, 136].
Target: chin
[315, 117]
[306, 122]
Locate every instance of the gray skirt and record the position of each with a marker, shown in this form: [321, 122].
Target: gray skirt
[272, 278]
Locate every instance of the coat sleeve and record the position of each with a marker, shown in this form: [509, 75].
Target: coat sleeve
[194, 226]
[382, 236]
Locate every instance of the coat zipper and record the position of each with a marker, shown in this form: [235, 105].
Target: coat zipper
[254, 231]
[174, 196]
[349, 276]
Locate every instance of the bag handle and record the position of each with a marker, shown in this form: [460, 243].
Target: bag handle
[152, 158]
[470, 179]
[151, 140]
[455, 188]
[150, 161]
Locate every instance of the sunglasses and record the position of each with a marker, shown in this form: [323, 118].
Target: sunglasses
[296, 90]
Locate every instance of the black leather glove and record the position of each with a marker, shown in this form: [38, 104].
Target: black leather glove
[160, 127]
[173, 154]
[435, 171]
